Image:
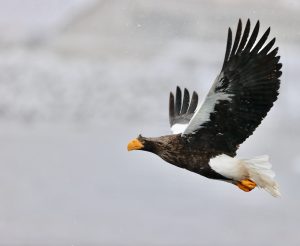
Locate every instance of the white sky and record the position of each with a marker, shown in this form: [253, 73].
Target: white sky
[24, 19]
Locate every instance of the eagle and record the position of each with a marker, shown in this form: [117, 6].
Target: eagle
[207, 135]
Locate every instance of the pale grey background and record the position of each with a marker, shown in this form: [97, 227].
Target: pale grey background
[79, 78]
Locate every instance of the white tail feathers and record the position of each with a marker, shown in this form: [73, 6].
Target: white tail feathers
[259, 171]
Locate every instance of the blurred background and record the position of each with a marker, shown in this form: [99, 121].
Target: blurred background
[80, 78]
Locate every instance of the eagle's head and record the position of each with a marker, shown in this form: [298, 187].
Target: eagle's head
[141, 143]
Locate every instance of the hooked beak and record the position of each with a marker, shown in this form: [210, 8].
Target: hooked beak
[134, 145]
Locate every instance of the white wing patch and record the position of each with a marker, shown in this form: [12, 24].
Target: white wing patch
[204, 109]
[178, 128]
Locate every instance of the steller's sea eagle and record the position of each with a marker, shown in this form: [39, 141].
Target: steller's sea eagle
[206, 136]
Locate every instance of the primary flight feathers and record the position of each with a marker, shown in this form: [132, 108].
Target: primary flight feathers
[242, 93]
[181, 111]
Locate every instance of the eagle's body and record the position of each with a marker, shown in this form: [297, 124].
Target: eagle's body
[188, 155]
[206, 137]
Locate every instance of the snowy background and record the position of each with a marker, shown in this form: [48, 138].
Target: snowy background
[80, 78]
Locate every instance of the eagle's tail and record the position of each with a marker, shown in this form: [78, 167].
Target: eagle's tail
[259, 171]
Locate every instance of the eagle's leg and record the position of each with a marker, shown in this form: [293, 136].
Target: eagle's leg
[246, 185]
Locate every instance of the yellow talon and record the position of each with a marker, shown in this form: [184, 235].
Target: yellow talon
[246, 185]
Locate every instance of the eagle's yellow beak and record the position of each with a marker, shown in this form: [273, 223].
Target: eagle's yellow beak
[134, 145]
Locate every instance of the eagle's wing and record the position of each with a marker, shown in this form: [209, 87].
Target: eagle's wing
[181, 110]
[243, 92]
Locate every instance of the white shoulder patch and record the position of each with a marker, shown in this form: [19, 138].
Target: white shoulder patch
[178, 128]
[202, 114]
[204, 109]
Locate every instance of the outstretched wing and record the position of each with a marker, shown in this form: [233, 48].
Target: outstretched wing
[181, 110]
[244, 91]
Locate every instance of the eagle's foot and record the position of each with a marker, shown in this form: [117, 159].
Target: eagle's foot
[246, 185]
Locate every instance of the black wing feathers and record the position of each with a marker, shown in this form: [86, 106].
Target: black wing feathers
[237, 38]
[178, 101]
[171, 109]
[186, 101]
[261, 42]
[228, 46]
[182, 110]
[250, 77]
[245, 37]
[252, 38]
[193, 104]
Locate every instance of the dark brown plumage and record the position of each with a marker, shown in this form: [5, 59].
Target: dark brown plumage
[179, 152]
[239, 99]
